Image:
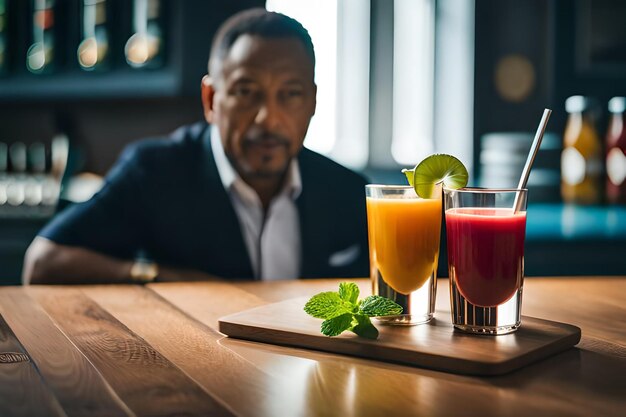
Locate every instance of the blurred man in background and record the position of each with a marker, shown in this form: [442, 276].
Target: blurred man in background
[235, 197]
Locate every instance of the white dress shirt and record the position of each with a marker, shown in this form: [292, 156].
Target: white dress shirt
[272, 238]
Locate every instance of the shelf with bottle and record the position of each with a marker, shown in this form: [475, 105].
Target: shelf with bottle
[75, 48]
[92, 49]
[30, 177]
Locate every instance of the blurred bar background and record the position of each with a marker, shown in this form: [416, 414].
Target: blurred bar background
[397, 79]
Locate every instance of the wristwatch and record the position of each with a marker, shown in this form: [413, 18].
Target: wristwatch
[144, 271]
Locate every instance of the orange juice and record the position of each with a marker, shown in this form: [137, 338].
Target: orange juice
[404, 240]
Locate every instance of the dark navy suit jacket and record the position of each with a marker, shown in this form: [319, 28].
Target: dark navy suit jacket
[165, 197]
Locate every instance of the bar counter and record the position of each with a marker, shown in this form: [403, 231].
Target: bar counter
[155, 350]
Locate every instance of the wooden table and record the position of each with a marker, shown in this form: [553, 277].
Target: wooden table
[154, 351]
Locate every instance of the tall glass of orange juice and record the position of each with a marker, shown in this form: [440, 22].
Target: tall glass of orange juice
[404, 232]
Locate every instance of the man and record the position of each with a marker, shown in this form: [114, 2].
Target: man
[238, 197]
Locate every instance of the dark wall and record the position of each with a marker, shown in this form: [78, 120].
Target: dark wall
[521, 30]
[573, 47]
[589, 54]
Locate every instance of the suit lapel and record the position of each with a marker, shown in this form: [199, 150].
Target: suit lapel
[224, 221]
[313, 209]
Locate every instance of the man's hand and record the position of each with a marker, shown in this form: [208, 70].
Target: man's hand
[47, 262]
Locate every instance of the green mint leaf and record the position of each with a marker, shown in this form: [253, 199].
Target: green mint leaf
[326, 305]
[343, 311]
[364, 327]
[349, 291]
[336, 325]
[375, 306]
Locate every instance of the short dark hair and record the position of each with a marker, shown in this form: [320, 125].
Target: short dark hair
[257, 21]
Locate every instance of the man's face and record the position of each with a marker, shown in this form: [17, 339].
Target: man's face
[262, 103]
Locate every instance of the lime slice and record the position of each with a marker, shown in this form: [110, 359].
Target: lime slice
[409, 175]
[435, 169]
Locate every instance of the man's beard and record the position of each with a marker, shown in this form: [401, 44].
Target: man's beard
[260, 139]
[265, 172]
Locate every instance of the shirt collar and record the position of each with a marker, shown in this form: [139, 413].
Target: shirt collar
[231, 180]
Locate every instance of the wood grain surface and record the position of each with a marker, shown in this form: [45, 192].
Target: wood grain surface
[594, 304]
[193, 298]
[155, 350]
[190, 345]
[77, 384]
[22, 390]
[141, 376]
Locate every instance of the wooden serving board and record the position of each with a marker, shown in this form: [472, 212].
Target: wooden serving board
[435, 345]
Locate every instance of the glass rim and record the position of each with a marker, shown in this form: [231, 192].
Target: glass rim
[479, 190]
[387, 186]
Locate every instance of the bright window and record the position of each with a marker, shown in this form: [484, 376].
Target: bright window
[340, 33]
[413, 80]
[422, 85]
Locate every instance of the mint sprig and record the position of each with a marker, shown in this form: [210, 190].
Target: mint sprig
[375, 305]
[343, 311]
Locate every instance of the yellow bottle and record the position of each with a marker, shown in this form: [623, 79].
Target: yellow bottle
[581, 160]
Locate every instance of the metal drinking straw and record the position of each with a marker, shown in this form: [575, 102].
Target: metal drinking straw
[531, 157]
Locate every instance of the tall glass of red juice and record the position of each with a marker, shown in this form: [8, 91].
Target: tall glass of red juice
[486, 230]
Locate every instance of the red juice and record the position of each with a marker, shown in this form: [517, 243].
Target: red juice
[486, 253]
